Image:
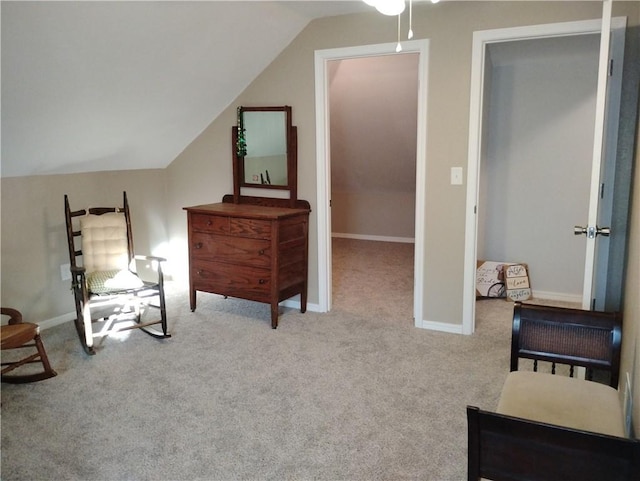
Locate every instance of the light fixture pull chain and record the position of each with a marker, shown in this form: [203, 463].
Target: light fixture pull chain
[410, 34]
[399, 47]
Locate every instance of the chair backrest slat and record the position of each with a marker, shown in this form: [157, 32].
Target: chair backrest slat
[576, 337]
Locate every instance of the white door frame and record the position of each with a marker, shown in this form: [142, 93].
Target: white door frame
[323, 163]
[481, 40]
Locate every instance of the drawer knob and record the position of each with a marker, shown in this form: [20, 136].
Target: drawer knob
[209, 222]
[199, 272]
[261, 252]
[261, 281]
[199, 245]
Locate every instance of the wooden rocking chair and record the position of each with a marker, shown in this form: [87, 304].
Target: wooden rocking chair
[20, 335]
[105, 284]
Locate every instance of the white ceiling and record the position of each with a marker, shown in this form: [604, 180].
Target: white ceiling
[92, 86]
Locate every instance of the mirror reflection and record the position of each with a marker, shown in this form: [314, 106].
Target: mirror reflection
[263, 145]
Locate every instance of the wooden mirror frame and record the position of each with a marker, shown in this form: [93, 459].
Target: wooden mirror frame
[292, 156]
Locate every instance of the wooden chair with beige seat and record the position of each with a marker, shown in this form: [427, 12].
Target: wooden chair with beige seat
[104, 275]
[18, 335]
[550, 426]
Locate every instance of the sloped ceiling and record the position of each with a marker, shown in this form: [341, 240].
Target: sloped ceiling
[94, 86]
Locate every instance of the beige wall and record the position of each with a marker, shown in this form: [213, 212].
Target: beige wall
[290, 80]
[34, 240]
[373, 112]
[630, 365]
[373, 215]
[631, 323]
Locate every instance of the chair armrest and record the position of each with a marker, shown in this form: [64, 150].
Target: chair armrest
[15, 316]
[149, 258]
[159, 261]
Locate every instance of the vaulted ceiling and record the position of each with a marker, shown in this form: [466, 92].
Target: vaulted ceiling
[92, 86]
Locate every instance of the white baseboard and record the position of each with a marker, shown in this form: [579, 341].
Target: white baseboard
[440, 326]
[55, 321]
[557, 296]
[293, 304]
[379, 238]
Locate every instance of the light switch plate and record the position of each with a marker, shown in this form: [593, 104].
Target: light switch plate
[456, 175]
[65, 272]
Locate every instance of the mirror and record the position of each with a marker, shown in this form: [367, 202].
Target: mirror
[265, 147]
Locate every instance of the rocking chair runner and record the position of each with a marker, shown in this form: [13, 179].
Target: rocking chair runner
[104, 284]
[19, 335]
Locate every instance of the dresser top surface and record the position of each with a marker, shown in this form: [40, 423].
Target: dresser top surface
[245, 210]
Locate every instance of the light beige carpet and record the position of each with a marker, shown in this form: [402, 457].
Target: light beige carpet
[373, 279]
[355, 394]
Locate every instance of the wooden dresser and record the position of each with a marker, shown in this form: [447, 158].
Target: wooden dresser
[253, 252]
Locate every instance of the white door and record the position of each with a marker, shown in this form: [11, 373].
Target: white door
[595, 275]
[481, 41]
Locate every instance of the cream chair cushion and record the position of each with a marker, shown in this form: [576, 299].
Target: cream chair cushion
[104, 242]
[562, 400]
[101, 282]
[105, 253]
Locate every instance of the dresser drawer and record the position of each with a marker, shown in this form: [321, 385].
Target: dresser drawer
[258, 229]
[231, 250]
[210, 223]
[231, 280]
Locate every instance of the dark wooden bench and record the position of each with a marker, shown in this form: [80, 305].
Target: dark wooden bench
[551, 427]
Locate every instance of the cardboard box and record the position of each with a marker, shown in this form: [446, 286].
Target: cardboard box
[517, 282]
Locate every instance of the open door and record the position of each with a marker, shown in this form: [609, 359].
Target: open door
[597, 229]
[476, 145]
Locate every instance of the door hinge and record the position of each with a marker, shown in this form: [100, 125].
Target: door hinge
[602, 190]
[611, 68]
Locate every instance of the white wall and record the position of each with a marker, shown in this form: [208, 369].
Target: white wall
[536, 174]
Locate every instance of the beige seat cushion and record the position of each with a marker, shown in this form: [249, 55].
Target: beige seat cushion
[104, 242]
[563, 401]
[101, 282]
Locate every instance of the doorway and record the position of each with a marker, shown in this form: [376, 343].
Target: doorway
[323, 162]
[536, 190]
[536, 171]
[373, 103]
